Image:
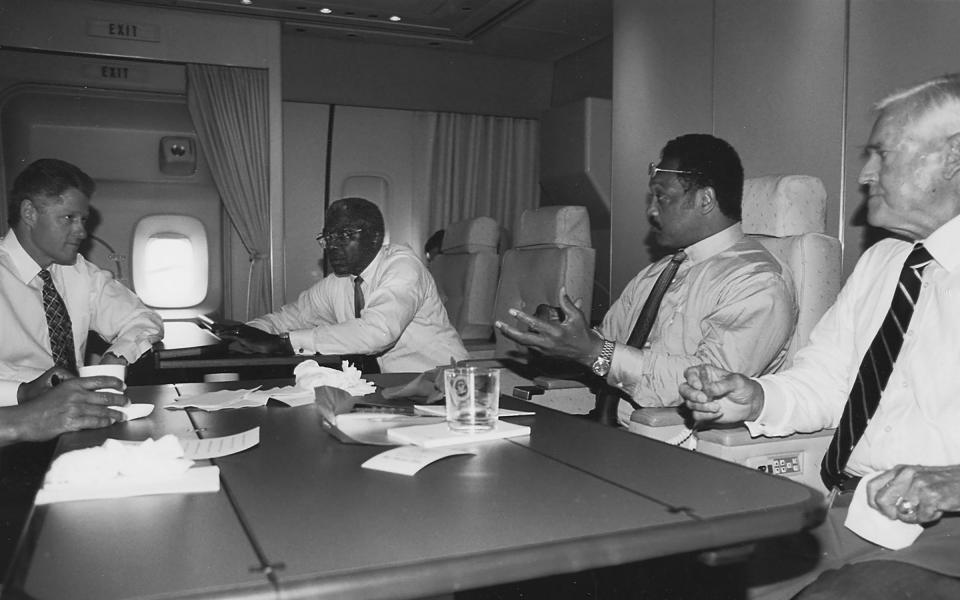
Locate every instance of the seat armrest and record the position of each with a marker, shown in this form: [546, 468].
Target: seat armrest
[666, 416]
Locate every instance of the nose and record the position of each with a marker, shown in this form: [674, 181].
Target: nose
[80, 230]
[652, 208]
[870, 171]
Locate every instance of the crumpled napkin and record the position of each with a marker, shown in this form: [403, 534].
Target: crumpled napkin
[151, 459]
[310, 375]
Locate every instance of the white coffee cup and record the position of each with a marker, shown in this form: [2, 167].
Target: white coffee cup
[118, 371]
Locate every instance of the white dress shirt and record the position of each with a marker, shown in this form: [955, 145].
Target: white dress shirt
[403, 323]
[94, 300]
[916, 421]
[731, 304]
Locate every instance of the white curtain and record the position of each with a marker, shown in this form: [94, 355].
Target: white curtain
[480, 166]
[229, 109]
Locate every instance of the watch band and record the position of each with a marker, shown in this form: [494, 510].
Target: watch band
[601, 366]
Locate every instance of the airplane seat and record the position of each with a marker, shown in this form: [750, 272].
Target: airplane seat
[787, 214]
[552, 250]
[466, 273]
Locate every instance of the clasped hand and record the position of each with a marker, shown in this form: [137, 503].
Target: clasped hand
[715, 395]
[915, 494]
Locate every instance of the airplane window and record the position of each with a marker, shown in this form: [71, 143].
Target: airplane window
[170, 261]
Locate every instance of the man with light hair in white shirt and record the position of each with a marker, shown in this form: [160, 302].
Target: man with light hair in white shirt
[883, 367]
[50, 295]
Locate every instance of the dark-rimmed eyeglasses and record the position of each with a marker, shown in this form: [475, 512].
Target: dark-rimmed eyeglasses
[337, 238]
[653, 169]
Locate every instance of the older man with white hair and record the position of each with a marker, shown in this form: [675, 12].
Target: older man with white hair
[883, 367]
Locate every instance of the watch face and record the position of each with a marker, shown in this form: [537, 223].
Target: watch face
[601, 366]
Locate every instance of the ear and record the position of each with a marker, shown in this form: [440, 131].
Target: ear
[706, 200]
[951, 164]
[378, 239]
[28, 213]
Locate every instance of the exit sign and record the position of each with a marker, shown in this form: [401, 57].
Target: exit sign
[124, 30]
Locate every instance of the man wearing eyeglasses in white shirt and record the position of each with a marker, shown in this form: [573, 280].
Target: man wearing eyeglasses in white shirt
[393, 312]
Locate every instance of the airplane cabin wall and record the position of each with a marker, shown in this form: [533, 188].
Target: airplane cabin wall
[114, 136]
[173, 37]
[777, 79]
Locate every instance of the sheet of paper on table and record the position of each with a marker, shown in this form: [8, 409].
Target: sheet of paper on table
[407, 460]
[220, 446]
[223, 399]
[440, 410]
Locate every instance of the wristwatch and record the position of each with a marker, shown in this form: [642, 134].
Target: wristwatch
[601, 366]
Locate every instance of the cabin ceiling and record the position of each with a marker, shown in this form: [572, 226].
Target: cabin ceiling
[531, 29]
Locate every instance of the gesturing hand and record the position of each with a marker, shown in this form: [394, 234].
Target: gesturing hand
[570, 338]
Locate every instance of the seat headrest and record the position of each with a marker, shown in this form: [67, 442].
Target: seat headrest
[784, 205]
[471, 236]
[554, 226]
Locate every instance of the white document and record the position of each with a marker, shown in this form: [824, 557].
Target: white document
[407, 460]
[440, 410]
[220, 400]
[874, 526]
[220, 446]
[194, 480]
[135, 411]
[440, 434]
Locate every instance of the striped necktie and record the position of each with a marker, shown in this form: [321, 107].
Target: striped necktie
[357, 296]
[875, 369]
[58, 324]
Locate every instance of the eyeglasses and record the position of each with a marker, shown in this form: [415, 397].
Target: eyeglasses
[653, 169]
[337, 238]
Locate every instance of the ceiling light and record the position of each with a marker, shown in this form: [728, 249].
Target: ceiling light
[326, 11]
[395, 18]
[246, 2]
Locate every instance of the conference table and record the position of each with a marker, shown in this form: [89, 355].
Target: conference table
[297, 516]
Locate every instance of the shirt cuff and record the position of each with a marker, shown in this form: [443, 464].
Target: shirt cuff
[302, 341]
[774, 416]
[8, 392]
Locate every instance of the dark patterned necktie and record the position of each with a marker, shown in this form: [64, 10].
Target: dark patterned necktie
[357, 296]
[648, 314]
[875, 369]
[59, 325]
[605, 409]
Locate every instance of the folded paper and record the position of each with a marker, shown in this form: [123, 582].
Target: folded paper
[874, 526]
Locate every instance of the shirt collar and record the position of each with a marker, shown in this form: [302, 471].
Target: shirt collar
[24, 265]
[714, 244]
[368, 272]
[944, 245]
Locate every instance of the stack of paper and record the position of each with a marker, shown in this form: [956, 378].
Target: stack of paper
[440, 434]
